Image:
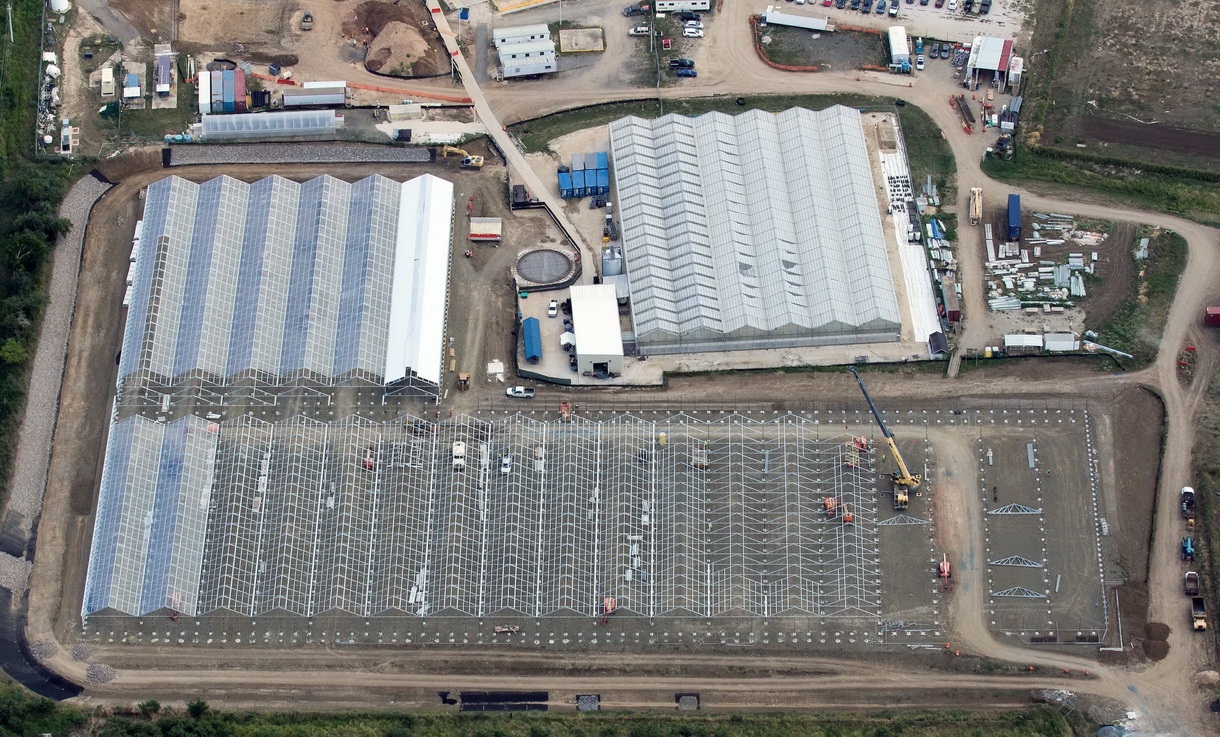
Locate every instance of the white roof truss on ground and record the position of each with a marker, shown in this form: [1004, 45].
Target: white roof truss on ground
[595, 317]
[760, 230]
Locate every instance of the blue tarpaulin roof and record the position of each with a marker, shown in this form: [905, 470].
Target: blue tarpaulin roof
[531, 333]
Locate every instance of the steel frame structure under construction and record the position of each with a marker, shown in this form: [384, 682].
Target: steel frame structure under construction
[672, 517]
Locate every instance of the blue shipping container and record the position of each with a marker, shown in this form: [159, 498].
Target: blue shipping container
[603, 162]
[603, 181]
[531, 335]
[1014, 217]
[565, 185]
[579, 186]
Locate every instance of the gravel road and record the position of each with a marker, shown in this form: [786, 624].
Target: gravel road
[296, 153]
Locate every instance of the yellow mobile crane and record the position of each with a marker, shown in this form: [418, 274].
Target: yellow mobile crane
[903, 480]
[468, 161]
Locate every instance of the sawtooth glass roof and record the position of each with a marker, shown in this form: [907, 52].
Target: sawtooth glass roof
[758, 230]
[275, 280]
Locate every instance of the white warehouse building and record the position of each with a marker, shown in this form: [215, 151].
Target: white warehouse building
[599, 337]
[752, 231]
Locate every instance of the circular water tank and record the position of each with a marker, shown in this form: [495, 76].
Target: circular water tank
[60, 6]
[48, 140]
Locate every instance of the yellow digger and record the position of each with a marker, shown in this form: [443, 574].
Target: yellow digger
[468, 161]
[903, 480]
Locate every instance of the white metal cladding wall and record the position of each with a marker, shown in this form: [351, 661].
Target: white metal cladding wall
[752, 227]
[295, 123]
[673, 517]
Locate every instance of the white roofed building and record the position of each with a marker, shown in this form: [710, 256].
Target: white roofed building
[752, 231]
[599, 337]
[989, 54]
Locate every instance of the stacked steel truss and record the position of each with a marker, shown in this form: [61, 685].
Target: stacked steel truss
[676, 517]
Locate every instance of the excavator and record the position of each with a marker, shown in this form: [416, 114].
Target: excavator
[903, 480]
[468, 161]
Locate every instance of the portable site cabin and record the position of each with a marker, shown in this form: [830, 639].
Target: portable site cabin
[107, 81]
[531, 339]
[131, 86]
[164, 74]
[520, 34]
[900, 48]
[595, 317]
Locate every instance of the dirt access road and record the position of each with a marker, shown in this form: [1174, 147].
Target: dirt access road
[1161, 690]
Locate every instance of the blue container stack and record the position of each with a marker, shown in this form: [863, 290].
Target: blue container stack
[589, 175]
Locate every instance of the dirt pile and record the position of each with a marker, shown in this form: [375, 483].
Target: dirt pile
[401, 39]
[1155, 645]
[399, 49]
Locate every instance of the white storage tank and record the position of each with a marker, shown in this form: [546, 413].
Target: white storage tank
[60, 6]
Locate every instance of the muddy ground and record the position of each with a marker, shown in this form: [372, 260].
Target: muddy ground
[1132, 62]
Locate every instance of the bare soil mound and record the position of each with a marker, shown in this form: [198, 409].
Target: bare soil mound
[399, 49]
[1156, 649]
[1156, 631]
[401, 39]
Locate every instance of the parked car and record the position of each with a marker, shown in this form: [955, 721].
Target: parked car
[681, 64]
[552, 309]
[894, 9]
[639, 31]
[694, 24]
[919, 63]
[968, 6]
[687, 73]
[840, 4]
[940, 3]
[935, 52]
[692, 33]
[506, 464]
[867, 7]
[639, 9]
[827, 3]
[855, 4]
[881, 8]
[952, 5]
[665, 43]
[688, 15]
[945, 50]
[984, 7]
[923, 2]
[520, 392]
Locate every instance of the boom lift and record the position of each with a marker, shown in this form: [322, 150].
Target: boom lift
[468, 161]
[903, 480]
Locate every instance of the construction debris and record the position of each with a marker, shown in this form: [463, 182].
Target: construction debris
[1020, 277]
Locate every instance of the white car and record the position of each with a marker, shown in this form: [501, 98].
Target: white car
[952, 5]
[520, 392]
[638, 31]
[506, 464]
[919, 62]
[694, 24]
[692, 33]
[552, 309]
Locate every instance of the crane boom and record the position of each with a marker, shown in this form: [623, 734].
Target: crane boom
[903, 479]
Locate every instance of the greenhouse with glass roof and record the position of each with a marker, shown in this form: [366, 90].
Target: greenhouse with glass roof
[322, 281]
[752, 231]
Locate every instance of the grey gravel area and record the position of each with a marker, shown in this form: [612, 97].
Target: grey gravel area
[82, 652]
[296, 153]
[43, 650]
[14, 572]
[100, 673]
[46, 375]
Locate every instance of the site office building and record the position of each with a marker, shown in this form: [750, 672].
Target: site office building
[677, 6]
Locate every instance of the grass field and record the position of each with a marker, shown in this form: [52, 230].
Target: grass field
[927, 151]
